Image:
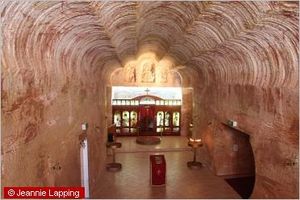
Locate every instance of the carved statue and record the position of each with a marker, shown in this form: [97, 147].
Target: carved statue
[148, 74]
[130, 73]
[163, 75]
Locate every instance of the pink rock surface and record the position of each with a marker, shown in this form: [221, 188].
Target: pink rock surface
[270, 117]
[240, 58]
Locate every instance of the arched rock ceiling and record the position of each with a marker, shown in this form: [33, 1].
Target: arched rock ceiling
[234, 42]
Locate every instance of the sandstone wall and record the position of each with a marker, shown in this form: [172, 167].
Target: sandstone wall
[49, 87]
[269, 116]
[242, 59]
[40, 129]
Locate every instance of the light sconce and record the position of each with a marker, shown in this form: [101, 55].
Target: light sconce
[84, 126]
[192, 140]
[232, 123]
[83, 135]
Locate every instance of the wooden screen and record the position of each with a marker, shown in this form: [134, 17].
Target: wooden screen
[147, 115]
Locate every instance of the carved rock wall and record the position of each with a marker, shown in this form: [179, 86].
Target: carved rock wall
[147, 71]
[48, 89]
[57, 57]
[269, 116]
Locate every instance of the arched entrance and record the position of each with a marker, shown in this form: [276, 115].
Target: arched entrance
[148, 71]
[242, 163]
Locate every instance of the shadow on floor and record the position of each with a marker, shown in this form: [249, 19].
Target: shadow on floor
[243, 185]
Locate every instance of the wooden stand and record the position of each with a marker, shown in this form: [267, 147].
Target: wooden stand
[114, 166]
[194, 143]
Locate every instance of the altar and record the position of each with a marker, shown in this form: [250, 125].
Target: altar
[146, 115]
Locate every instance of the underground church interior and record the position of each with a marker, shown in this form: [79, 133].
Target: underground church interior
[161, 99]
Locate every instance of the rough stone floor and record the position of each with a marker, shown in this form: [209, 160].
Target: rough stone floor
[133, 180]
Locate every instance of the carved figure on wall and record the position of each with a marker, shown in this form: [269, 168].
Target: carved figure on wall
[163, 75]
[148, 74]
[130, 73]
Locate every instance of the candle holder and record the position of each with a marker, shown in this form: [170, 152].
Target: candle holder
[194, 143]
[190, 133]
[114, 166]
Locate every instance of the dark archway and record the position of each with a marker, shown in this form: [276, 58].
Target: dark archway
[243, 182]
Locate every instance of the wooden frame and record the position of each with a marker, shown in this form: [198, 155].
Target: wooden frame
[130, 129]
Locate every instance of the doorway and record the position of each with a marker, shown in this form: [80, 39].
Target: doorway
[242, 163]
[147, 119]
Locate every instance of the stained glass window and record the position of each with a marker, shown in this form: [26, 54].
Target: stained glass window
[125, 116]
[176, 118]
[117, 118]
[159, 121]
[167, 119]
[133, 118]
[160, 118]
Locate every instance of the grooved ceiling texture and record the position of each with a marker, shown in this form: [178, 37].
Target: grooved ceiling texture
[237, 60]
[252, 43]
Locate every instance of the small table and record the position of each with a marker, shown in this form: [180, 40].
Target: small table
[194, 143]
[114, 166]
